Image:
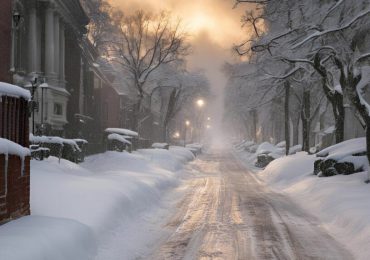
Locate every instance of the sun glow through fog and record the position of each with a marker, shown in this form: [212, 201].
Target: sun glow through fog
[216, 18]
[200, 22]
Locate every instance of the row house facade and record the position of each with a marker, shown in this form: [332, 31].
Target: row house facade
[45, 47]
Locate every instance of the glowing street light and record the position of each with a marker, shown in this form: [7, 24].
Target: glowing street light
[208, 118]
[187, 124]
[176, 135]
[200, 102]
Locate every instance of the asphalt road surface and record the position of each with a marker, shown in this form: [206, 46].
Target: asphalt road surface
[227, 214]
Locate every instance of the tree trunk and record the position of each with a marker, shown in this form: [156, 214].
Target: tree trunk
[296, 131]
[287, 121]
[339, 118]
[165, 133]
[306, 114]
[368, 148]
[254, 125]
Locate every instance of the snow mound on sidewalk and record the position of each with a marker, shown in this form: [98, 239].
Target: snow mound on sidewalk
[340, 202]
[172, 159]
[35, 238]
[76, 208]
[288, 170]
[106, 187]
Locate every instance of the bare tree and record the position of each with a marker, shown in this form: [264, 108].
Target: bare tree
[144, 42]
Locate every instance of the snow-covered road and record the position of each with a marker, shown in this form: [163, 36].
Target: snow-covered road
[227, 214]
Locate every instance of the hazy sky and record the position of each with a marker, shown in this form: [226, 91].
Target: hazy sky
[214, 26]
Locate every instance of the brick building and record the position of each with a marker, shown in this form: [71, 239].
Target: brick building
[14, 158]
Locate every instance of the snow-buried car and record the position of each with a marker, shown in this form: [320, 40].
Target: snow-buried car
[344, 158]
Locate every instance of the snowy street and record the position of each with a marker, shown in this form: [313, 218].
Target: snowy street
[227, 214]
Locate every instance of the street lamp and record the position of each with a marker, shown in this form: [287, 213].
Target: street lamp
[187, 124]
[43, 86]
[17, 18]
[176, 135]
[200, 102]
[34, 85]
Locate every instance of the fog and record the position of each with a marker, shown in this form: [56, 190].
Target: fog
[213, 26]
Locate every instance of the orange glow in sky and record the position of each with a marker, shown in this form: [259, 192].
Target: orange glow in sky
[217, 18]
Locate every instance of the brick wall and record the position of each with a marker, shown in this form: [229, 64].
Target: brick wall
[15, 173]
[15, 188]
[5, 42]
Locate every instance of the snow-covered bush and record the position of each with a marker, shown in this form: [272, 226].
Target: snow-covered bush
[118, 142]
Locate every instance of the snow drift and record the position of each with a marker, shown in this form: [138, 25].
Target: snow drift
[340, 202]
[81, 204]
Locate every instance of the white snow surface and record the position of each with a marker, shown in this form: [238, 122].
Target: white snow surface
[55, 140]
[340, 202]
[119, 138]
[7, 89]
[159, 145]
[343, 149]
[267, 148]
[81, 207]
[8, 147]
[36, 237]
[121, 131]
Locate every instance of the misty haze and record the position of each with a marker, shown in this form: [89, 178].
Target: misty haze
[197, 129]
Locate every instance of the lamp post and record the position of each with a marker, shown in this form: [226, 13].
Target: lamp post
[43, 86]
[200, 103]
[34, 85]
[187, 124]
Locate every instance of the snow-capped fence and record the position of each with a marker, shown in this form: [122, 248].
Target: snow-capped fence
[73, 150]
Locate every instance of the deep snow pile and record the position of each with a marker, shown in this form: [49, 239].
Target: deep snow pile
[106, 190]
[35, 238]
[340, 202]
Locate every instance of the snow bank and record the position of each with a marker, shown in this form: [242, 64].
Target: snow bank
[343, 149]
[266, 148]
[82, 204]
[14, 91]
[171, 159]
[340, 202]
[160, 145]
[8, 147]
[35, 238]
[104, 186]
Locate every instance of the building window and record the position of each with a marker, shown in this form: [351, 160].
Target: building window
[58, 109]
